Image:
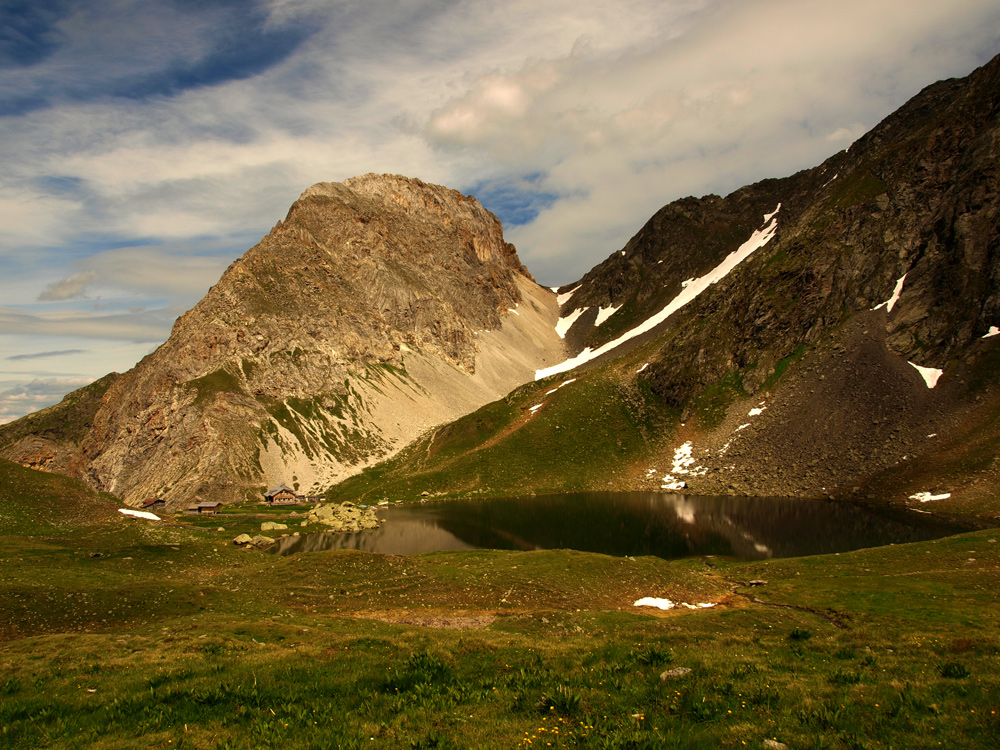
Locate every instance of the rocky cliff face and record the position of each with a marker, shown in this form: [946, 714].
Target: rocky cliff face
[379, 307]
[834, 338]
[909, 214]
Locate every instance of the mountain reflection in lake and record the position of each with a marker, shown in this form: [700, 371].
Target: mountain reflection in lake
[633, 523]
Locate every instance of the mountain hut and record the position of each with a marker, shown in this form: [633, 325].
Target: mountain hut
[282, 495]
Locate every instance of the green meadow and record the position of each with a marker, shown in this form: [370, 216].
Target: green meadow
[123, 633]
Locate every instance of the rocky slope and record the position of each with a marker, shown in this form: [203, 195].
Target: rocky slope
[795, 370]
[379, 307]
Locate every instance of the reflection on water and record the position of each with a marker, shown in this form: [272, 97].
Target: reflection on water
[633, 523]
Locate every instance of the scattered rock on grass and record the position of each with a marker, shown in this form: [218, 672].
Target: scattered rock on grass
[674, 673]
[272, 526]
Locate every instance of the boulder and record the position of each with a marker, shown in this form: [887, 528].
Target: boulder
[346, 517]
[272, 526]
[674, 673]
[243, 539]
[261, 541]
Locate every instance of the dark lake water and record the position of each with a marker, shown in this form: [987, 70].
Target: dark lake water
[633, 523]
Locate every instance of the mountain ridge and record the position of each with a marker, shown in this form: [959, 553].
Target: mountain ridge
[799, 335]
[790, 375]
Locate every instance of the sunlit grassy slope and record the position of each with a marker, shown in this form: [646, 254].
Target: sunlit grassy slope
[561, 434]
[119, 633]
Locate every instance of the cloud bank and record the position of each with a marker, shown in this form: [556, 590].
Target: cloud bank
[147, 145]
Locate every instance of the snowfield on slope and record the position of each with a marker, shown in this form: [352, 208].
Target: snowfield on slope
[690, 291]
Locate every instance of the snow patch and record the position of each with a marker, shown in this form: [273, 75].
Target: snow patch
[891, 302]
[603, 313]
[690, 291]
[565, 382]
[929, 374]
[683, 464]
[642, 368]
[994, 331]
[535, 408]
[756, 410]
[683, 458]
[566, 323]
[926, 497]
[742, 427]
[511, 309]
[563, 298]
[652, 601]
[139, 514]
[553, 390]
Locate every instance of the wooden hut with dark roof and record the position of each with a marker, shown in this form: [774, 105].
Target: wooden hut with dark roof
[282, 494]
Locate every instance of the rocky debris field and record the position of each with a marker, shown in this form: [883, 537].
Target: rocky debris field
[346, 517]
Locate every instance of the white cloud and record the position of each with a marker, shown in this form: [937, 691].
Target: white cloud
[71, 287]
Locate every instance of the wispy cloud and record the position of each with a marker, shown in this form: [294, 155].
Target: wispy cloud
[45, 355]
[72, 287]
[148, 326]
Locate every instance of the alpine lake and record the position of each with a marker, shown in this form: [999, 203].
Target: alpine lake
[665, 525]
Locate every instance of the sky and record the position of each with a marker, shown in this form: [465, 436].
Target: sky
[144, 146]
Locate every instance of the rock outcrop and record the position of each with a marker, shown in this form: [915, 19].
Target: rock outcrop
[346, 517]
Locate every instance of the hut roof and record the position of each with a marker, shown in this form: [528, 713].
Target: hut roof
[278, 490]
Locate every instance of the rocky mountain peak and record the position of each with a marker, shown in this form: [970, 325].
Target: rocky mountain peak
[278, 373]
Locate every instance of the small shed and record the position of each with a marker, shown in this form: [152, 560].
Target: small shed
[154, 503]
[209, 508]
[282, 494]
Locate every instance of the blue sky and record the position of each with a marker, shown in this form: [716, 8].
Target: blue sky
[146, 145]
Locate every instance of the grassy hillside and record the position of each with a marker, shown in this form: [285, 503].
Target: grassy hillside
[590, 431]
[118, 632]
